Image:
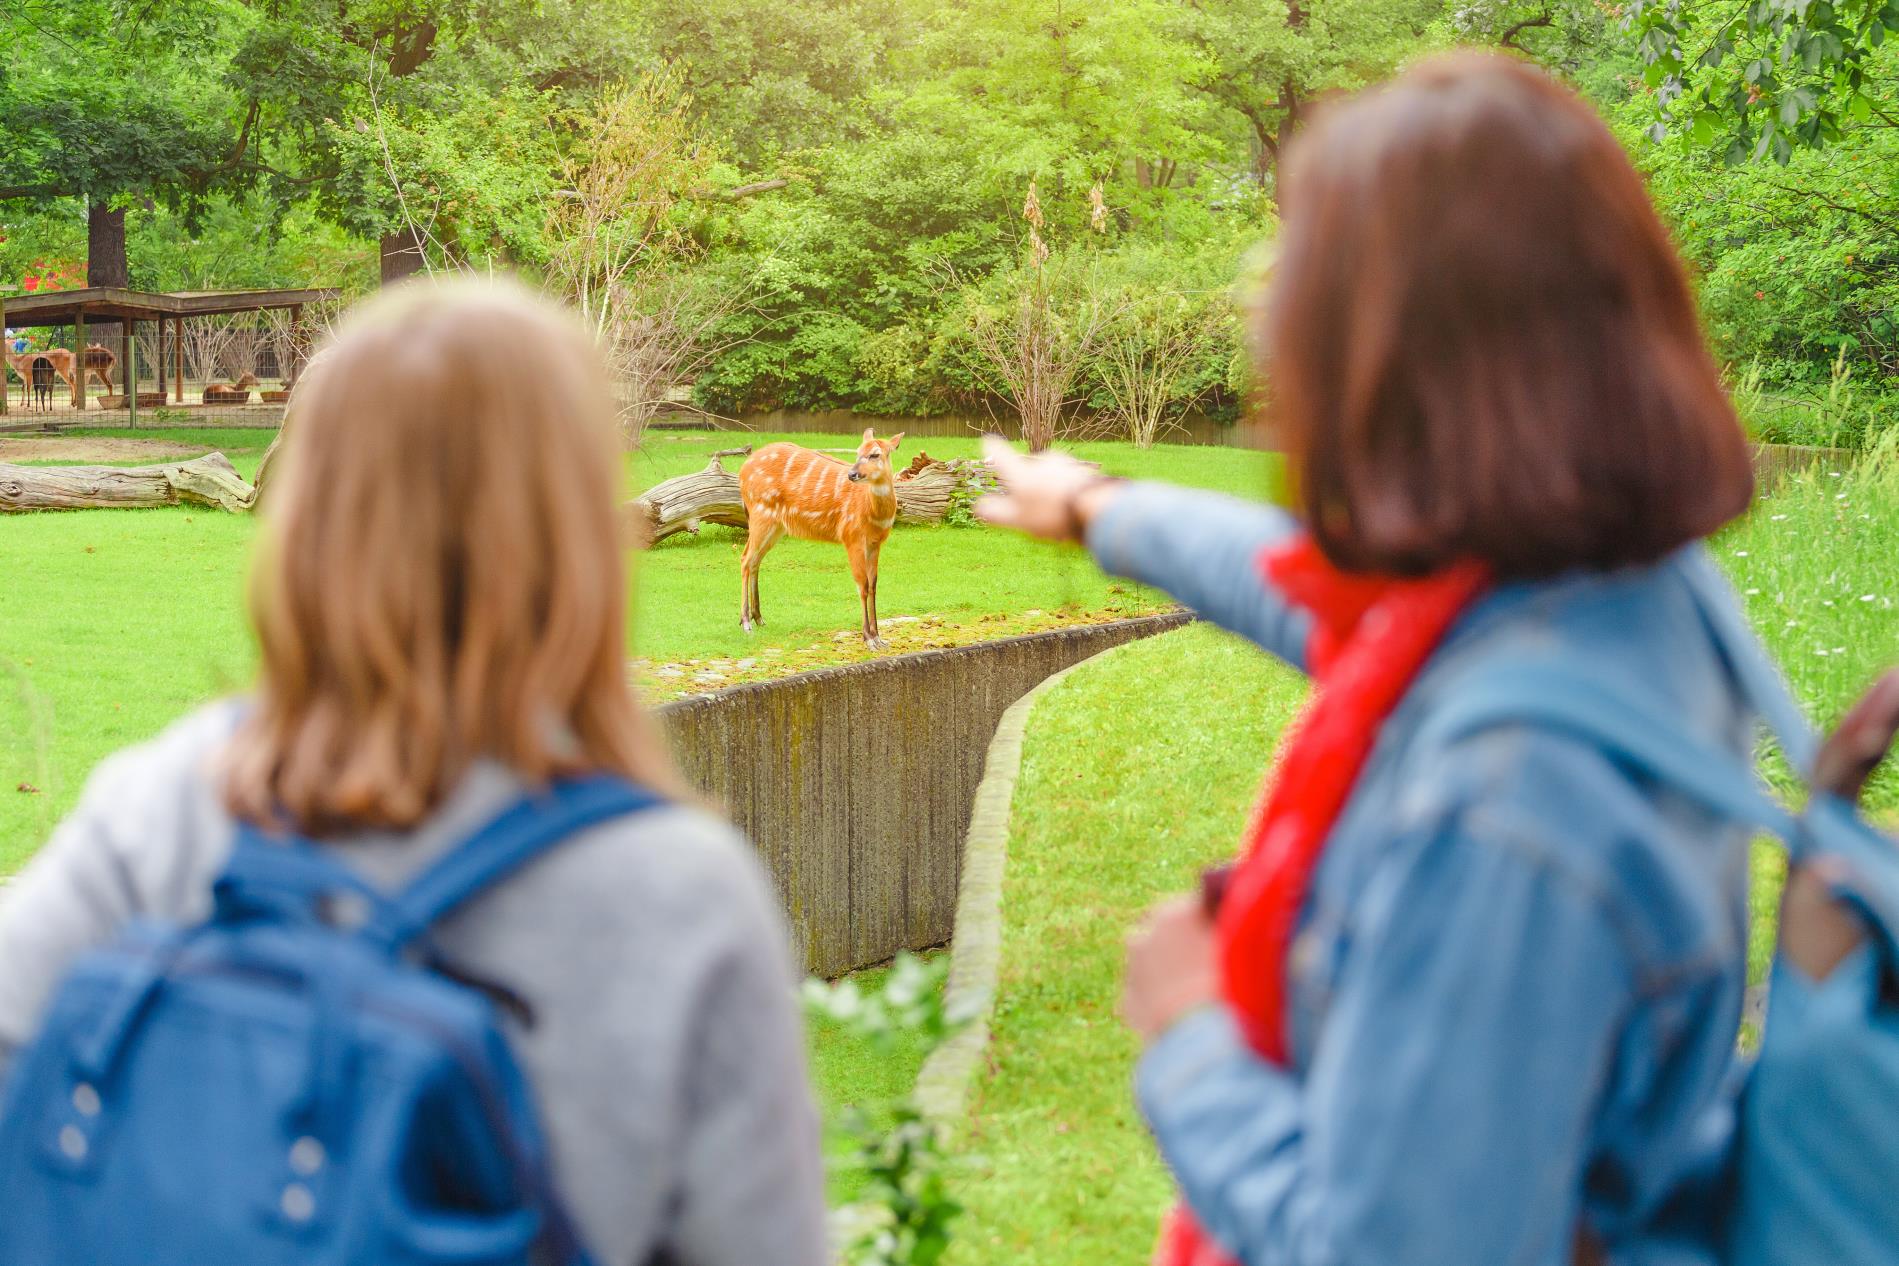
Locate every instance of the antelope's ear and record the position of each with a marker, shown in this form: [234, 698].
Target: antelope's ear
[869, 435]
[896, 440]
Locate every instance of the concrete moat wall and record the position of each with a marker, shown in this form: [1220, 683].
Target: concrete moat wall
[856, 783]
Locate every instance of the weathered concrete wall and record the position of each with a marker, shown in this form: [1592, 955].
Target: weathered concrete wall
[856, 783]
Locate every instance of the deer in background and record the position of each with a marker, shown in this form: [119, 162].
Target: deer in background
[789, 489]
[99, 364]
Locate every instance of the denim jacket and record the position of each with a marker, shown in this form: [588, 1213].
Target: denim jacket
[1519, 975]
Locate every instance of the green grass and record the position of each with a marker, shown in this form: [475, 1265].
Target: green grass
[1817, 563]
[115, 622]
[232, 441]
[1131, 783]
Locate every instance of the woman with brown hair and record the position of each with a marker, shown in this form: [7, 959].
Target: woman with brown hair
[1467, 997]
[440, 598]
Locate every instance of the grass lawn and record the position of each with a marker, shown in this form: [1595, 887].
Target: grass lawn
[1117, 806]
[116, 622]
[1131, 783]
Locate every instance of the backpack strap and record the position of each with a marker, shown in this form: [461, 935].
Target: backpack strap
[532, 826]
[289, 877]
[1543, 690]
[1549, 693]
[1758, 676]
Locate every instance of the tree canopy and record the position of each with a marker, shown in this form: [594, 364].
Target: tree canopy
[844, 180]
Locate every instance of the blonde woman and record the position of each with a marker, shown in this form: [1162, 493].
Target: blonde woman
[439, 598]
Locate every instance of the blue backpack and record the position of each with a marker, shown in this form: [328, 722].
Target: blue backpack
[300, 1078]
[1816, 1175]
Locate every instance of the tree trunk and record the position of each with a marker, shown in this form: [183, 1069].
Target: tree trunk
[207, 481]
[106, 264]
[711, 495]
[402, 255]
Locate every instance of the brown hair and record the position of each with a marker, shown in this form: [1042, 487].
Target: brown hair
[442, 575]
[1479, 341]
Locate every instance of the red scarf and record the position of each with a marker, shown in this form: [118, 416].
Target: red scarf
[1370, 636]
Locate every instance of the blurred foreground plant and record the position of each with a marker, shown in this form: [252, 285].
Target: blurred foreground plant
[908, 1205]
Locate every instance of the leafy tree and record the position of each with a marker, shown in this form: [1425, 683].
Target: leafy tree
[771, 77]
[118, 108]
[1071, 92]
[425, 123]
[1763, 77]
[1269, 62]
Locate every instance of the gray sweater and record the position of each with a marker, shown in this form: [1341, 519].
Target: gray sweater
[666, 1051]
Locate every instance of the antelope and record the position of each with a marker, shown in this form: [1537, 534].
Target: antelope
[238, 392]
[42, 384]
[99, 363]
[818, 498]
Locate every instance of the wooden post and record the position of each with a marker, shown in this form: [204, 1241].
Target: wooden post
[128, 370]
[161, 357]
[6, 388]
[129, 341]
[296, 346]
[79, 360]
[178, 359]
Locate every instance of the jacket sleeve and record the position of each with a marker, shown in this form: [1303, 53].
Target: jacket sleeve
[1445, 1113]
[1203, 548]
[751, 1166]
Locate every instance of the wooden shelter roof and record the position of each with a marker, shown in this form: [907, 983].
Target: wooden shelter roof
[109, 303]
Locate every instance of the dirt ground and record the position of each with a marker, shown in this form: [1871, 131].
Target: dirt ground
[82, 450]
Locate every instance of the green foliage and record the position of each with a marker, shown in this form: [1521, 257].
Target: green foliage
[1762, 78]
[908, 1000]
[1796, 265]
[899, 1151]
[777, 77]
[475, 176]
[857, 168]
[104, 104]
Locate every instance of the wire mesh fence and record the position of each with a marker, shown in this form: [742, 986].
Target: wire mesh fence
[234, 369]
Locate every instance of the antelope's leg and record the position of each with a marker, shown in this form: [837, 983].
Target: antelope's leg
[864, 572]
[761, 535]
[876, 633]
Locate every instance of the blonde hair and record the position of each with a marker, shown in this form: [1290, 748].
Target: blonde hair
[442, 575]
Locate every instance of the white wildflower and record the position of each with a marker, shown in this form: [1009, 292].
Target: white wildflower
[1753, 593]
[1869, 597]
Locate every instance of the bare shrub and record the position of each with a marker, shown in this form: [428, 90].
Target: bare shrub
[1030, 349]
[243, 342]
[618, 253]
[1146, 357]
[1031, 344]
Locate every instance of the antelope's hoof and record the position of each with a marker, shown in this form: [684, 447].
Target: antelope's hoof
[876, 644]
[747, 624]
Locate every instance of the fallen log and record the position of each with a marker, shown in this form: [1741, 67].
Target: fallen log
[925, 493]
[210, 480]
